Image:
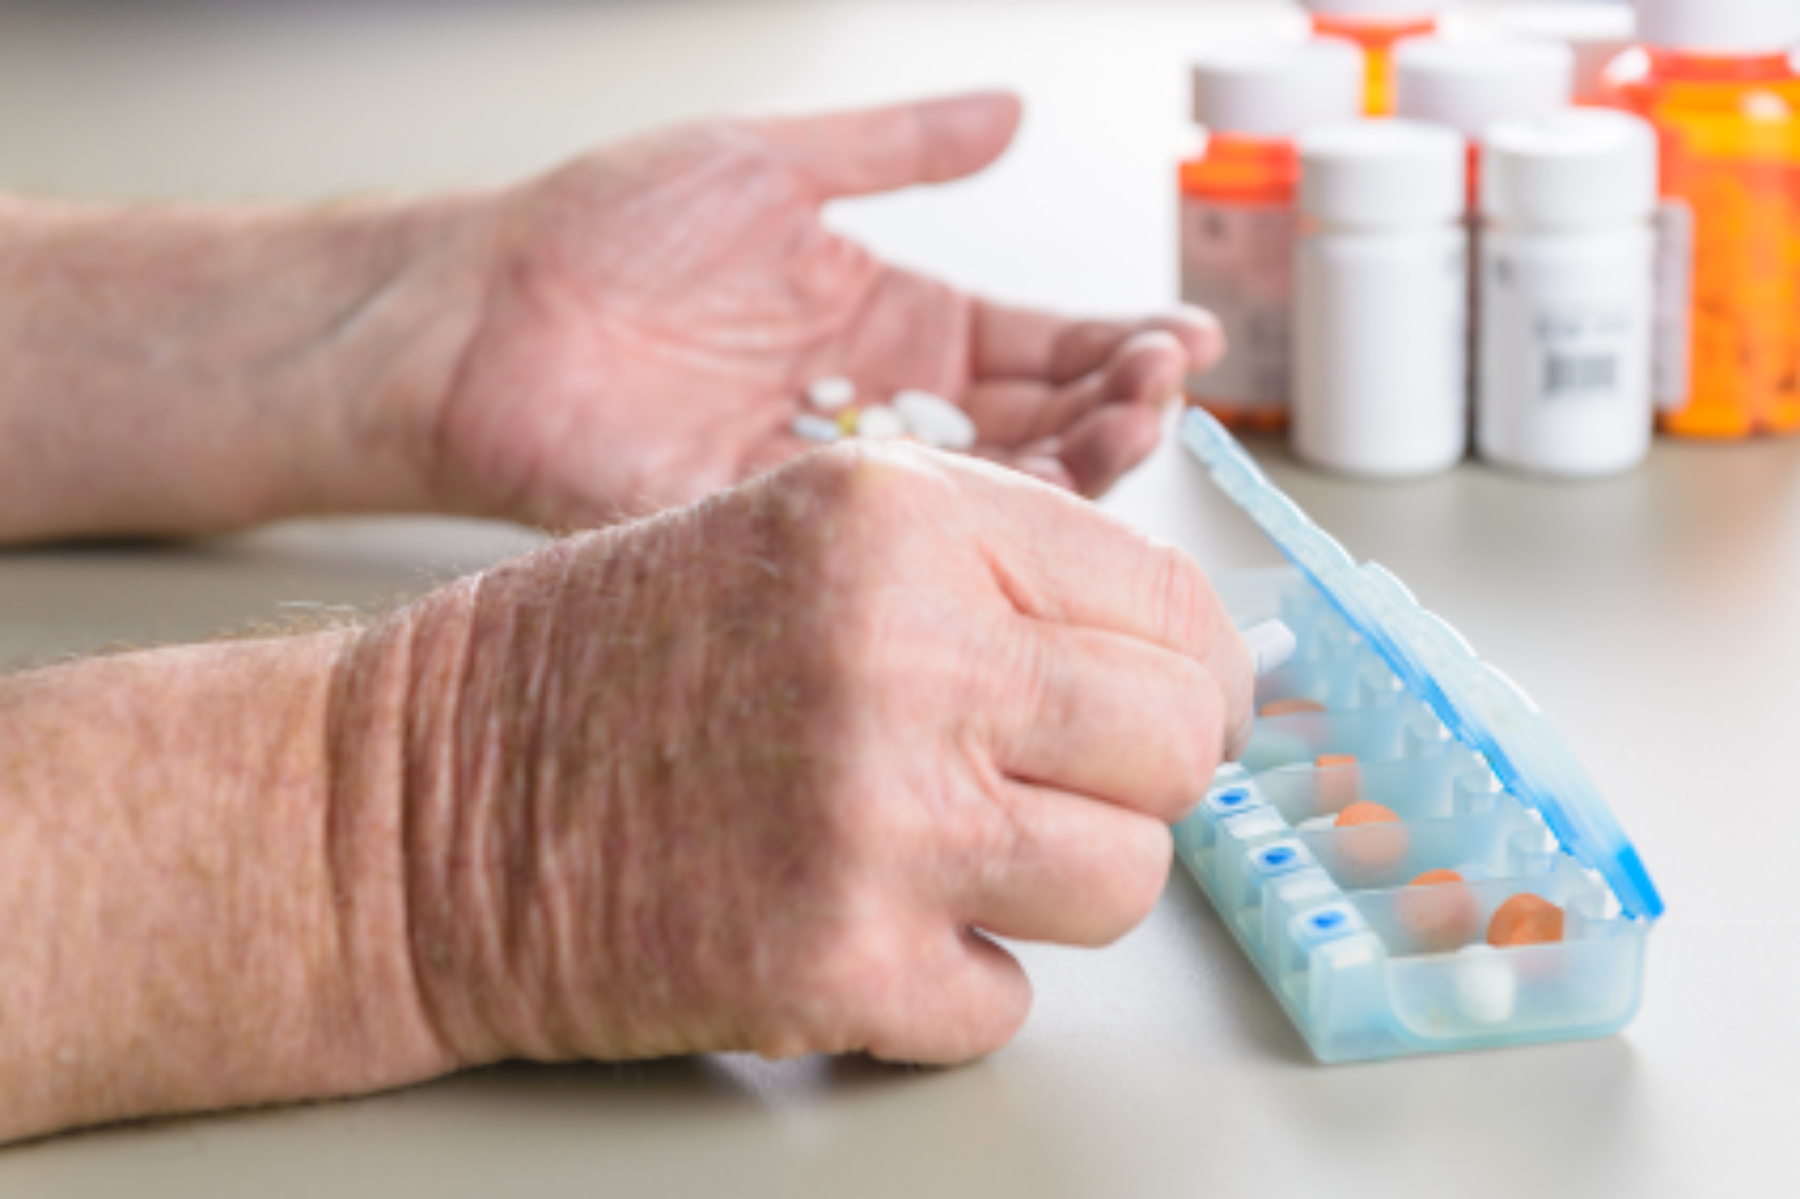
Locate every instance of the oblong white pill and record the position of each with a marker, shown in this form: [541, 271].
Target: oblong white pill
[935, 421]
[830, 394]
[1316, 824]
[816, 428]
[1487, 991]
[1271, 645]
[879, 422]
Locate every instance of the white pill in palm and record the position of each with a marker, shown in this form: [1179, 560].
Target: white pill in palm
[828, 395]
[879, 422]
[816, 428]
[935, 421]
[1317, 824]
[1487, 991]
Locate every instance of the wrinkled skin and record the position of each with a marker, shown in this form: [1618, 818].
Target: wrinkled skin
[655, 311]
[762, 773]
[766, 772]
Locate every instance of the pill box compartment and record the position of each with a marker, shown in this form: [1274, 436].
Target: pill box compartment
[1368, 964]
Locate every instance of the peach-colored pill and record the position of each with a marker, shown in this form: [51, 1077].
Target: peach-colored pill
[1291, 707]
[1379, 845]
[1438, 911]
[1340, 783]
[1525, 920]
[1366, 813]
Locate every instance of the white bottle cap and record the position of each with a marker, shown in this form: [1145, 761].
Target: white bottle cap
[1277, 89]
[1468, 85]
[1376, 10]
[1595, 33]
[1573, 169]
[1383, 174]
[1720, 26]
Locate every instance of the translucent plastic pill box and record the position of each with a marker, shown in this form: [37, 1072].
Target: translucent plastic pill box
[1367, 965]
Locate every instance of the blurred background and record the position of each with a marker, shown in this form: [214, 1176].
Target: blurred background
[247, 99]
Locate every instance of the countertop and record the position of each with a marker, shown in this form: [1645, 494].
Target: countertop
[1656, 616]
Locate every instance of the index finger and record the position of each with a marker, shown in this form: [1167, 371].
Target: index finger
[1061, 559]
[1024, 343]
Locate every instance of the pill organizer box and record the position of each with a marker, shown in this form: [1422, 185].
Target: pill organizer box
[1366, 965]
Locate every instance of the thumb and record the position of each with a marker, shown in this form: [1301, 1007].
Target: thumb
[881, 149]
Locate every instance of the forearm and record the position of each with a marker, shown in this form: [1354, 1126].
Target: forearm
[201, 887]
[171, 371]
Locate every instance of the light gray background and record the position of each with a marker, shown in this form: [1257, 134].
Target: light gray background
[1656, 616]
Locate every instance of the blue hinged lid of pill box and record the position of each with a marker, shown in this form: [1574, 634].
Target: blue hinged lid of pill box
[1479, 705]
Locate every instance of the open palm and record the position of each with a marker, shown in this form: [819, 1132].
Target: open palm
[657, 310]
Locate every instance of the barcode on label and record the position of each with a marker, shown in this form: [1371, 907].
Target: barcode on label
[1571, 374]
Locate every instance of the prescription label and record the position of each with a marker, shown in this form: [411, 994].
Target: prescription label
[1671, 328]
[1237, 262]
[1584, 353]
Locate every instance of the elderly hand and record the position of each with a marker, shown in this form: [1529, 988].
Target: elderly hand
[631, 331]
[764, 774]
[654, 312]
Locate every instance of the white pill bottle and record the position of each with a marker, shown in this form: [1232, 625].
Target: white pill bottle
[1567, 293]
[1381, 300]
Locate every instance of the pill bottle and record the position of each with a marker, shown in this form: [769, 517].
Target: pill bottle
[1566, 267]
[1237, 210]
[1469, 84]
[1595, 33]
[1375, 25]
[1381, 286]
[1715, 79]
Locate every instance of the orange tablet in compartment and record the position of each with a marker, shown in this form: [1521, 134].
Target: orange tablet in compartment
[1291, 707]
[1340, 783]
[1368, 857]
[1441, 913]
[1366, 813]
[1525, 919]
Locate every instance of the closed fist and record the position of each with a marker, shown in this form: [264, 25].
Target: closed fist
[765, 773]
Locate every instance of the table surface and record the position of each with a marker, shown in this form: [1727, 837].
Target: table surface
[1656, 616]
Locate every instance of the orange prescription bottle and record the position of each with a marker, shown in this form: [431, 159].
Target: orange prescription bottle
[1375, 25]
[1715, 79]
[1237, 209]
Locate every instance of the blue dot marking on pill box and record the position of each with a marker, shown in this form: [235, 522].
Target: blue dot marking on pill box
[1280, 856]
[1327, 922]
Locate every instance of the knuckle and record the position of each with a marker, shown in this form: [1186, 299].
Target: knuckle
[973, 1010]
[1197, 732]
[1033, 683]
[1182, 601]
[1141, 870]
[995, 1028]
[868, 475]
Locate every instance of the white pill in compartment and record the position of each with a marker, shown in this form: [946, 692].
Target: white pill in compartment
[1487, 990]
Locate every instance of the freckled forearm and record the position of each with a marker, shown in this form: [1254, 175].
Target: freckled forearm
[201, 884]
[172, 371]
